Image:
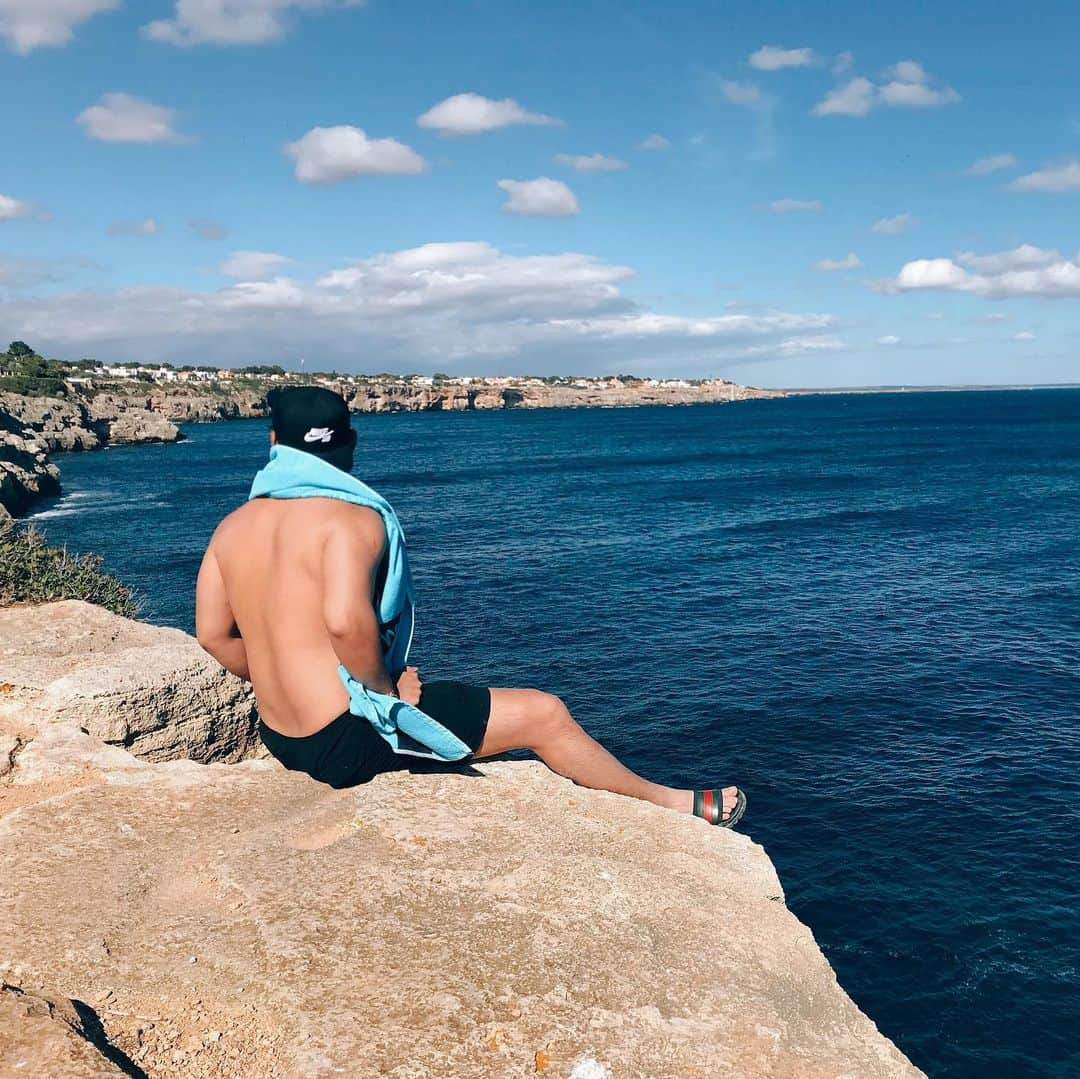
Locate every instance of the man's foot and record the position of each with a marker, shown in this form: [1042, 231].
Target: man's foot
[721, 807]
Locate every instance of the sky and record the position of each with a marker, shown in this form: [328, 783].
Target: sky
[781, 194]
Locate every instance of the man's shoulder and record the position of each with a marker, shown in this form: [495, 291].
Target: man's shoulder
[315, 513]
[318, 510]
[339, 510]
[230, 524]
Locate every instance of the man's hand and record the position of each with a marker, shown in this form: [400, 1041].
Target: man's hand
[409, 685]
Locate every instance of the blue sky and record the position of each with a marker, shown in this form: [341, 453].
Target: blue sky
[363, 183]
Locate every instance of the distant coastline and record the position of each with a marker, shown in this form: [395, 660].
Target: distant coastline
[49, 406]
[803, 391]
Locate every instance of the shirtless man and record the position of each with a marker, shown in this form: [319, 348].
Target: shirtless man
[287, 591]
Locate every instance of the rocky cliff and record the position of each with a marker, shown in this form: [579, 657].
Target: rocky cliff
[190, 404]
[172, 918]
[25, 471]
[495, 393]
[33, 427]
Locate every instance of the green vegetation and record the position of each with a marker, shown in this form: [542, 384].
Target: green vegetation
[260, 369]
[33, 572]
[23, 371]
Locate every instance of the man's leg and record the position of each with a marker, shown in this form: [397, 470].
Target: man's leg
[531, 719]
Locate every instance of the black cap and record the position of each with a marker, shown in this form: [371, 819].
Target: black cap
[313, 419]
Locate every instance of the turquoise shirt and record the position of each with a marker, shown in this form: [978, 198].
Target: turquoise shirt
[292, 473]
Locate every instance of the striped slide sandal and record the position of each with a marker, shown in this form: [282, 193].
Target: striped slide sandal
[709, 805]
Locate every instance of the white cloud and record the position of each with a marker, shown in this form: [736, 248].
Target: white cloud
[854, 98]
[994, 163]
[472, 114]
[1024, 257]
[1024, 335]
[740, 93]
[466, 304]
[892, 226]
[773, 58]
[790, 206]
[907, 71]
[907, 86]
[1025, 271]
[654, 142]
[253, 265]
[124, 118]
[19, 272]
[12, 208]
[326, 155]
[849, 262]
[33, 24]
[149, 226]
[1053, 178]
[208, 230]
[590, 162]
[234, 22]
[540, 197]
[843, 63]
[917, 95]
[888, 339]
[930, 273]
[910, 87]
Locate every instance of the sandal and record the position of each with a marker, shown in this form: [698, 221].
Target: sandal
[709, 805]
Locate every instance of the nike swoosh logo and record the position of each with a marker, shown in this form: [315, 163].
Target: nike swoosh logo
[319, 434]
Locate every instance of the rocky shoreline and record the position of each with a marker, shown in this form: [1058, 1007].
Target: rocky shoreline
[168, 913]
[33, 427]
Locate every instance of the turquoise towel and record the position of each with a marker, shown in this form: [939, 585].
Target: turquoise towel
[291, 473]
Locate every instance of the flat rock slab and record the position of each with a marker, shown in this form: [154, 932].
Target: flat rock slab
[149, 689]
[244, 921]
[44, 1036]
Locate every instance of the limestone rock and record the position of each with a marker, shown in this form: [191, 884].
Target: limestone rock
[33, 427]
[240, 920]
[57, 424]
[422, 925]
[47, 1036]
[208, 407]
[121, 420]
[150, 689]
[141, 425]
[25, 471]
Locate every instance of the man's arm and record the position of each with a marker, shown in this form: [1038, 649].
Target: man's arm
[215, 626]
[349, 560]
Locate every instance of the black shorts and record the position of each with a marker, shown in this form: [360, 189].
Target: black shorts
[349, 750]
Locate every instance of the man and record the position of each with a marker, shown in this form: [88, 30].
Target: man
[291, 595]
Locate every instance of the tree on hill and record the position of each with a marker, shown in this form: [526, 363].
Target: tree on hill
[23, 371]
[261, 369]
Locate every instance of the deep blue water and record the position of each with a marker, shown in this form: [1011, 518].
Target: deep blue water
[863, 609]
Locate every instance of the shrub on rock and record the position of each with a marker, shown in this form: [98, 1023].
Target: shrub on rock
[31, 571]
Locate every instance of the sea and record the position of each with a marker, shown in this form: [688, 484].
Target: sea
[864, 609]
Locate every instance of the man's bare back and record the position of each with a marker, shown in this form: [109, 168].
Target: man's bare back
[285, 574]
